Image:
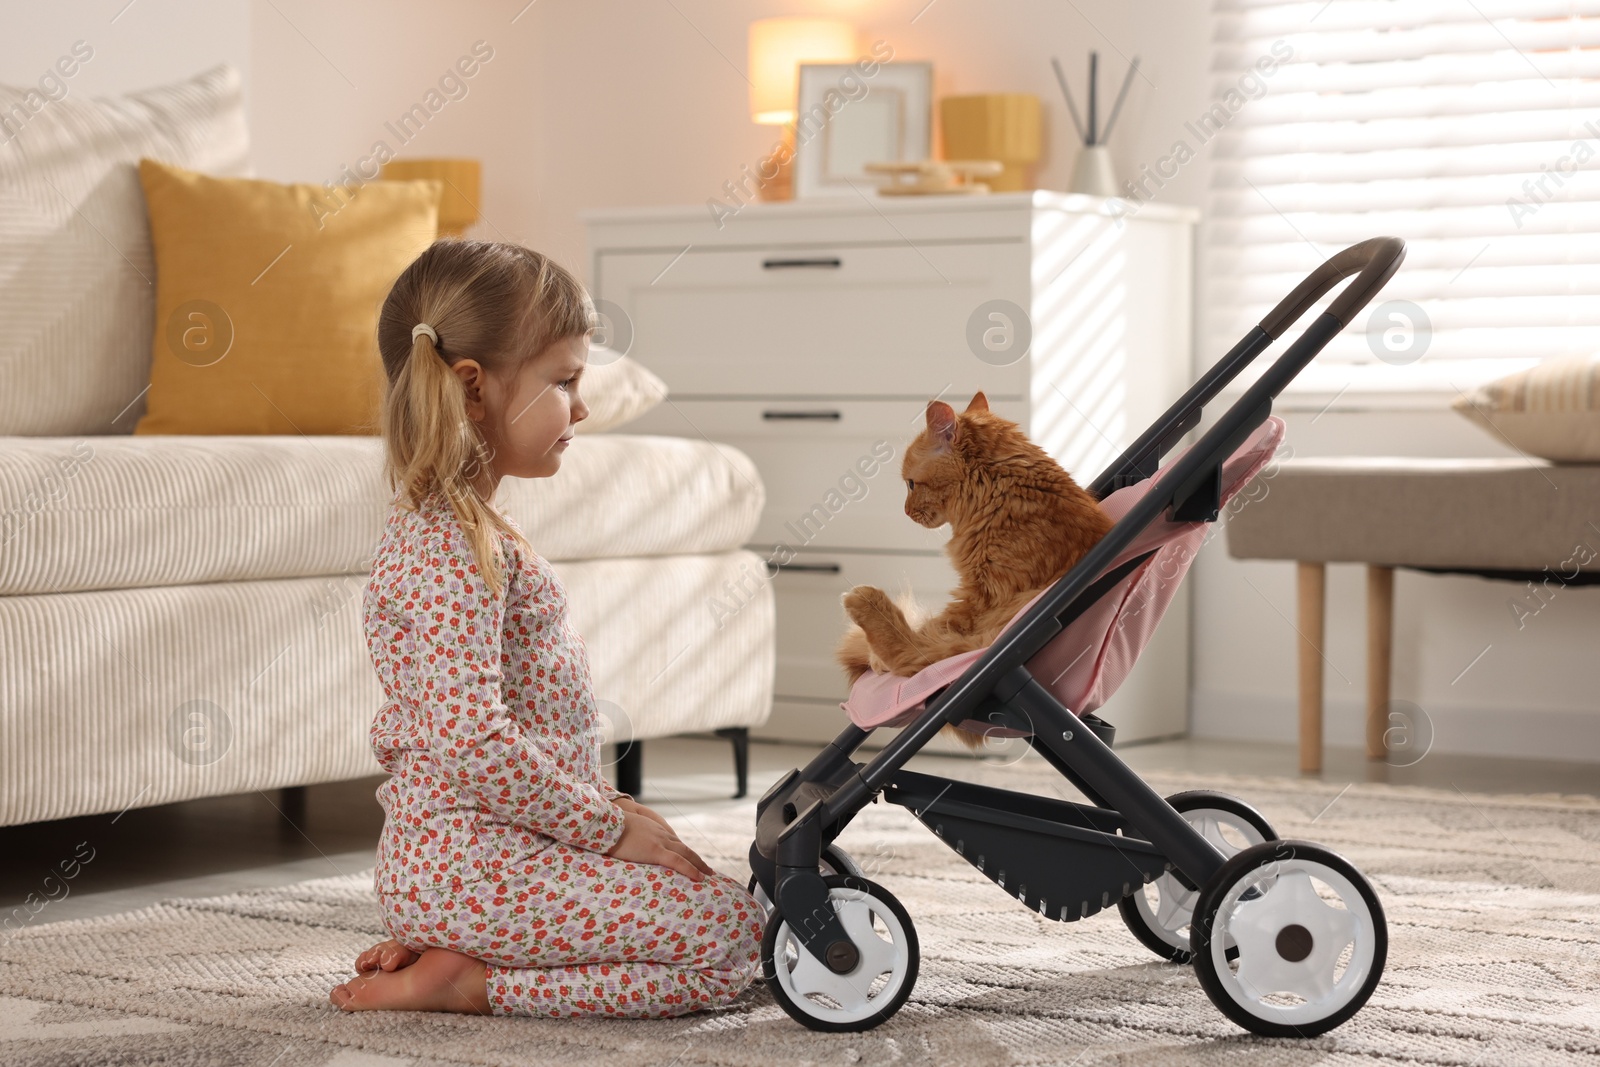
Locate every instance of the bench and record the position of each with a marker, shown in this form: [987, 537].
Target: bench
[1513, 519]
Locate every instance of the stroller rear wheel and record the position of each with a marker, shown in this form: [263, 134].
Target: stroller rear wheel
[1310, 934]
[835, 860]
[821, 999]
[1159, 913]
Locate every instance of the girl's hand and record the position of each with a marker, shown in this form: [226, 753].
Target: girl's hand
[647, 840]
[630, 804]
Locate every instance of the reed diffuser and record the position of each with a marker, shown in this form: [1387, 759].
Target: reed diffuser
[1093, 172]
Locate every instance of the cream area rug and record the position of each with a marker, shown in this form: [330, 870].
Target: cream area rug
[1493, 906]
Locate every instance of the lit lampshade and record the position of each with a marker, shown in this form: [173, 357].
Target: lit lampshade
[777, 48]
[458, 204]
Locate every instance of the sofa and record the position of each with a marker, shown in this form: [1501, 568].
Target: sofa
[180, 614]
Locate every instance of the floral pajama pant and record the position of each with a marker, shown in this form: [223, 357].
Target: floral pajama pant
[574, 933]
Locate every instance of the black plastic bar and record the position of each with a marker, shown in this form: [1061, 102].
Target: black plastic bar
[1066, 771]
[835, 754]
[1182, 416]
[1377, 259]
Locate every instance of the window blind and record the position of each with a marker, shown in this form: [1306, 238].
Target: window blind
[1470, 128]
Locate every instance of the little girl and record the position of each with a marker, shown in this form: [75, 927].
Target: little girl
[512, 878]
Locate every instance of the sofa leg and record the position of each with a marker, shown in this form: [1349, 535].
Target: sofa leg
[740, 736]
[630, 767]
[292, 803]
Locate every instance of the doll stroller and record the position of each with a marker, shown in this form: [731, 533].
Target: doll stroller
[1287, 939]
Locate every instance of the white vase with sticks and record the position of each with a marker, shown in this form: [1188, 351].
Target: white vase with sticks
[1093, 173]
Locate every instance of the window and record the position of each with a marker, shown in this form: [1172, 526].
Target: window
[1470, 128]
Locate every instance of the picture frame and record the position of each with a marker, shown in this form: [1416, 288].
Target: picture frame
[846, 119]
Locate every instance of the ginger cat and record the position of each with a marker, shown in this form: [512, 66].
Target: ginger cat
[1018, 523]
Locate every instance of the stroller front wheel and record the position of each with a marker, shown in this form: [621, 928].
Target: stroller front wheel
[1159, 914]
[881, 982]
[1310, 934]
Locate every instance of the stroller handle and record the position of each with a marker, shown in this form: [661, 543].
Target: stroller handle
[1376, 259]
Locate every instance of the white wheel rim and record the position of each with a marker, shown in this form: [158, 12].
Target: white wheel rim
[1169, 918]
[1288, 906]
[858, 995]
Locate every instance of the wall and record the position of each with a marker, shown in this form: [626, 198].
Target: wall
[135, 45]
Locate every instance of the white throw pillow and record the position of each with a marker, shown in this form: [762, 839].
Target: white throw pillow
[1551, 410]
[77, 276]
[616, 389]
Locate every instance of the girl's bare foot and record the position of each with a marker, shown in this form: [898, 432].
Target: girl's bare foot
[439, 980]
[388, 955]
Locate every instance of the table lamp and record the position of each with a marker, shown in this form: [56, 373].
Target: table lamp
[777, 48]
[458, 204]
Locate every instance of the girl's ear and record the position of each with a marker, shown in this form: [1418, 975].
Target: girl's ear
[471, 374]
[941, 423]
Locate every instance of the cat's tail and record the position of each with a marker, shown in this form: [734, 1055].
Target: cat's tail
[966, 737]
[853, 653]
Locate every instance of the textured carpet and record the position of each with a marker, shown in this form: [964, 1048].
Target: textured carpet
[1494, 958]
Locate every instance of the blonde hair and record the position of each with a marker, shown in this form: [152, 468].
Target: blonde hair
[499, 304]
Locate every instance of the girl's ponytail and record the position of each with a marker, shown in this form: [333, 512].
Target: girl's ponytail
[497, 304]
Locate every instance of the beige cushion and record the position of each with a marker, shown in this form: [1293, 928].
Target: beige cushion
[617, 390]
[1488, 514]
[1551, 410]
[130, 512]
[77, 276]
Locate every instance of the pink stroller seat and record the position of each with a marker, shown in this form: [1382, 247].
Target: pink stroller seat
[1089, 659]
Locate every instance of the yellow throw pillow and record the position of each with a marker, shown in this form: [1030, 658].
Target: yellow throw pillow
[267, 299]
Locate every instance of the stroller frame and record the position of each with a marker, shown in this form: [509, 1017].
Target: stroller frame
[1064, 859]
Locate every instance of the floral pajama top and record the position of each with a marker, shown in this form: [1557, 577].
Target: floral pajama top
[497, 816]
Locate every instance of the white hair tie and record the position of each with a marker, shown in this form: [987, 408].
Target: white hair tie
[423, 328]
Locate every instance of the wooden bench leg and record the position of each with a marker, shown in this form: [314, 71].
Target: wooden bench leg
[1380, 643]
[1312, 582]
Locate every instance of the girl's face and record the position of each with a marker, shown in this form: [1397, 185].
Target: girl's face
[528, 421]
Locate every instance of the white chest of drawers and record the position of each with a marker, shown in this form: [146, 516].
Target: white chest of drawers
[812, 335]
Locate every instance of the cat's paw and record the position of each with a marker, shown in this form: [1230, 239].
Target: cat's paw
[869, 607]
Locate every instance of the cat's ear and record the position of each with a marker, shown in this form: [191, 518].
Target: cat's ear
[941, 423]
[979, 403]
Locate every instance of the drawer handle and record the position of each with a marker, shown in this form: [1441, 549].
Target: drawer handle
[805, 568]
[826, 416]
[825, 262]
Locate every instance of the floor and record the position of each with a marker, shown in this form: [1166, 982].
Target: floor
[226, 844]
